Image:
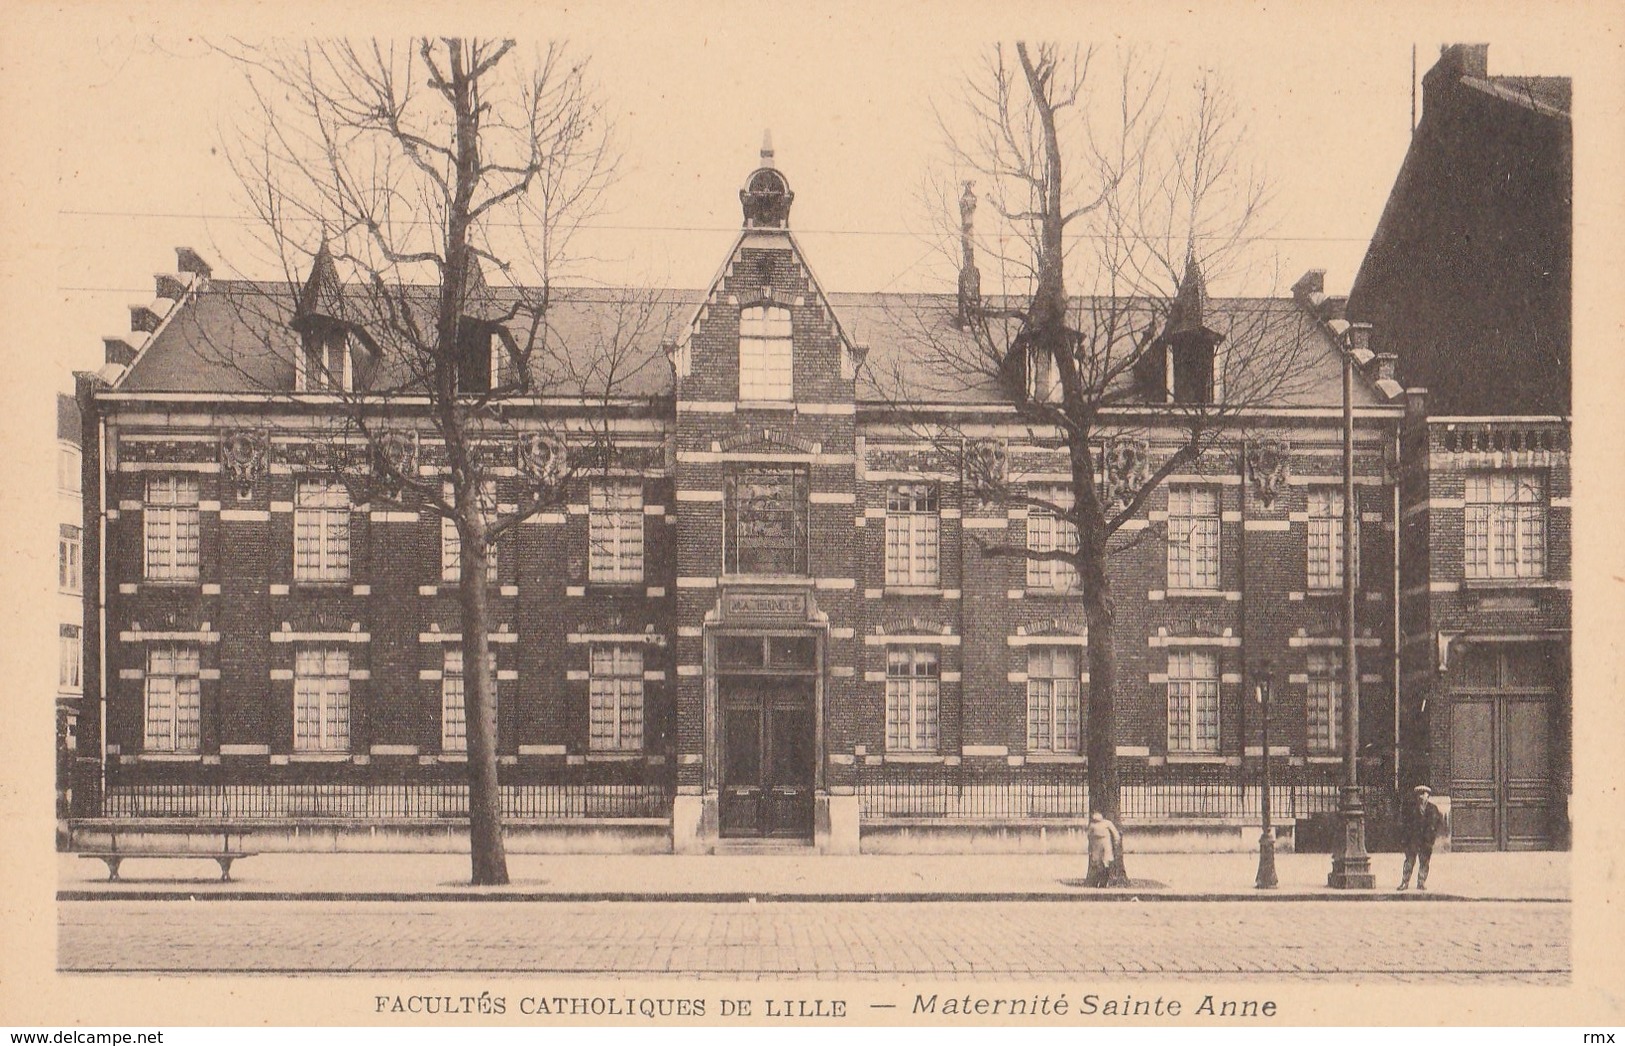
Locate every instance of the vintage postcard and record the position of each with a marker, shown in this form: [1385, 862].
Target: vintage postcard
[752, 515]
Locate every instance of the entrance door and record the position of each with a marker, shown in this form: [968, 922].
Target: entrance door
[768, 759]
[1501, 773]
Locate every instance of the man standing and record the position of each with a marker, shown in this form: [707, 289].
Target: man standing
[1104, 841]
[1419, 827]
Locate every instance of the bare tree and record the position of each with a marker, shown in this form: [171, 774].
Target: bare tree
[1111, 200]
[420, 201]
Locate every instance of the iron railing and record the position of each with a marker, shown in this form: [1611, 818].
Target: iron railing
[1145, 793]
[383, 802]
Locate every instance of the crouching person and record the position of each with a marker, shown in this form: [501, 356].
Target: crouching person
[1104, 843]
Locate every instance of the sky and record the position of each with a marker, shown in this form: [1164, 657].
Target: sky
[109, 159]
[141, 108]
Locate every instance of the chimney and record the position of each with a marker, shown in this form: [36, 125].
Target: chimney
[188, 260]
[1384, 365]
[143, 318]
[169, 286]
[119, 351]
[1360, 337]
[1416, 405]
[1457, 60]
[1310, 289]
[970, 280]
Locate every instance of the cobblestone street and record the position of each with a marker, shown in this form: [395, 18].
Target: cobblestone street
[1525, 942]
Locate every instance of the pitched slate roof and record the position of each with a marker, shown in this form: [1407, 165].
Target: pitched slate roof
[234, 337]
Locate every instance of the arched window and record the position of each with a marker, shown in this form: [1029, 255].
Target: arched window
[764, 353]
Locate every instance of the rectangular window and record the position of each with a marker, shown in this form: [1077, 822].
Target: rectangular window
[68, 462]
[1193, 538]
[451, 543]
[321, 700]
[70, 558]
[615, 533]
[764, 353]
[453, 710]
[913, 678]
[71, 651]
[1054, 700]
[1048, 532]
[1193, 702]
[766, 521]
[170, 528]
[173, 699]
[1325, 704]
[321, 531]
[324, 363]
[912, 535]
[615, 699]
[1326, 539]
[1506, 524]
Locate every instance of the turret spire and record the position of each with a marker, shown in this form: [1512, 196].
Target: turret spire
[970, 280]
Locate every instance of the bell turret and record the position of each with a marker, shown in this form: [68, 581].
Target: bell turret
[766, 197]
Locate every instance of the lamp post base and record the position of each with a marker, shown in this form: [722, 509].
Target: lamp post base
[1351, 865]
[1266, 861]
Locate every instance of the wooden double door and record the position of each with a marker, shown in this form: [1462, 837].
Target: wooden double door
[1505, 744]
[769, 755]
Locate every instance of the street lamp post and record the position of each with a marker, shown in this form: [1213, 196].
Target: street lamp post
[1351, 865]
[1266, 838]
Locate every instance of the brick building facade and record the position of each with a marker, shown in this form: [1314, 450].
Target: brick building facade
[765, 609]
[1467, 281]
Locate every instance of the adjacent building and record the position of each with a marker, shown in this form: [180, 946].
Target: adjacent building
[69, 602]
[1467, 282]
[766, 607]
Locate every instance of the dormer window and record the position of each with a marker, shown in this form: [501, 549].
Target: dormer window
[765, 363]
[476, 362]
[1191, 372]
[1188, 347]
[1043, 377]
[328, 343]
[325, 364]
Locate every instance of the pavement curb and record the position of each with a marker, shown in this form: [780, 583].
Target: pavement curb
[471, 894]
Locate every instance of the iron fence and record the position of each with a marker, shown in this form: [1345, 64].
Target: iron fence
[383, 802]
[1145, 793]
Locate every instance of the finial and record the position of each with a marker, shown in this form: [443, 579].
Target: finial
[767, 148]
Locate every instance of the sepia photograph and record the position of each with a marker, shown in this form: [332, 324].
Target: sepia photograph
[739, 515]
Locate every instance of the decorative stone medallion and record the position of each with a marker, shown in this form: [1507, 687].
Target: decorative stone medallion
[1125, 464]
[243, 453]
[1269, 464]
[987, 464]
[542, 459]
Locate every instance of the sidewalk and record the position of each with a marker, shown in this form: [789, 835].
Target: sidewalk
[761, 877]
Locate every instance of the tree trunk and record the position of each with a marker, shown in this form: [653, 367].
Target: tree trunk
[1104, 797]
[486, 851]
